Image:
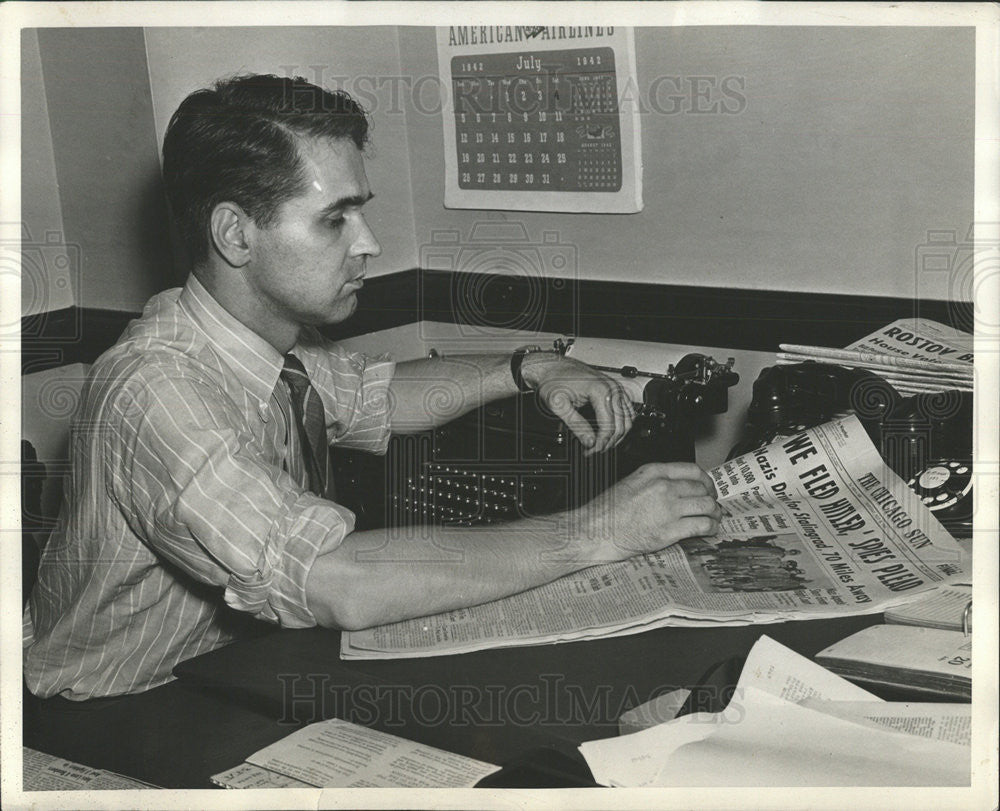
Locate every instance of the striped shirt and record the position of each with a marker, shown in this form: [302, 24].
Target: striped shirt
[188, 510]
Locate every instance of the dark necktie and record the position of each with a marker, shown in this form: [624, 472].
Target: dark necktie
[310, 420]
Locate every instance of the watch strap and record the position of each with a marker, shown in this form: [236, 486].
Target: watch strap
[516, 360]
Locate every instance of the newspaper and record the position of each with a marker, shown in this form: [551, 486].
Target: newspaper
[914, 354]
[815, 525]
[44, 772]
[919, 339]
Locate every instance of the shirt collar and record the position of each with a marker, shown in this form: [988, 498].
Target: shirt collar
[253, 360]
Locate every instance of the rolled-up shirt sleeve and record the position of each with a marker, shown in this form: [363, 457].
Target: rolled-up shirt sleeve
[355, 391]
[196, 487]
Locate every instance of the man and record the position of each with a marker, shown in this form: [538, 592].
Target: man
[197, 493]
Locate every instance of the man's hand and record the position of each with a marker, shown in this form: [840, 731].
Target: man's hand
[565, 384]
[654, 507]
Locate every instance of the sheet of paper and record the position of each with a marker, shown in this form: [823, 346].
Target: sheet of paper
[336, 753]
[658, 710]
[635, 759]
[778, 743]
[938, 721]
[775, 669]
[44, 772]
[246, 775]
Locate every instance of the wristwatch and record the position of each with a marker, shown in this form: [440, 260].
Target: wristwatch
[515, 365]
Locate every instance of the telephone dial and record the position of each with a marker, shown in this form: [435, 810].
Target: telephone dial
[513, 458]
[925, 438]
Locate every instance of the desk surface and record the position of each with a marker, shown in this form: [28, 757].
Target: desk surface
[493, 705]
[174, 736]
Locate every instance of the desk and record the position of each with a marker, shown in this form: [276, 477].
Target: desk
[493, 705]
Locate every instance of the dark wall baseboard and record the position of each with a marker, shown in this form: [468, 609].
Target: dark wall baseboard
[700, 316]
[708, 316]
[81, 334]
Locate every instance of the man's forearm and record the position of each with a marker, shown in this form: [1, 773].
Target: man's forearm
[371, 579]
[431, 391]
[376, 577]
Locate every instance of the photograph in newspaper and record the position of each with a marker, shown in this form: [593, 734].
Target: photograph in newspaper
[815, 525]
[758, 563]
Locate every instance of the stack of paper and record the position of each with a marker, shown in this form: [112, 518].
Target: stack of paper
[948, 608]
[793, 723]
[927, 660]
[915, 355]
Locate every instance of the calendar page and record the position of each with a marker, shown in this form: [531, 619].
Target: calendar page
[540, 118]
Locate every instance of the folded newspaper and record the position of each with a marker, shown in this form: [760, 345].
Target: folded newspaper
[816, 525]
[914, 354]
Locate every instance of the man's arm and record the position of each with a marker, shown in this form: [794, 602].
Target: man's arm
[431, 391]
[373, 578]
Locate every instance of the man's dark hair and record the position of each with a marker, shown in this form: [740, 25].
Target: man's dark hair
[237, 142]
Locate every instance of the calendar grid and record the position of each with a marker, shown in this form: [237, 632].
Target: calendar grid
[545, 121]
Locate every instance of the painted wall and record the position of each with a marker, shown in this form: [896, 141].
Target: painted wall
[363, 60]
[852, 144]
[46, 284]
[97, 89]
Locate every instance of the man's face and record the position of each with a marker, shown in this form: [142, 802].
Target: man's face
[308, 264]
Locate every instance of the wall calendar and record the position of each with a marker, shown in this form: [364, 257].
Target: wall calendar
[540, 118]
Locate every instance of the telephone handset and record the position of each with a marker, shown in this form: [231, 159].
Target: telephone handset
[926, 438]
[790, 399]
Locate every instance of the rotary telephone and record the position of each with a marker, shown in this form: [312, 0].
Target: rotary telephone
[925, 438]
[513, 458]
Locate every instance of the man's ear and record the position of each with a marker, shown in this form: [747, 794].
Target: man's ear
[227, 229]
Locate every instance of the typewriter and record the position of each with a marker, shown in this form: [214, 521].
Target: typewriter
[513, 458]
